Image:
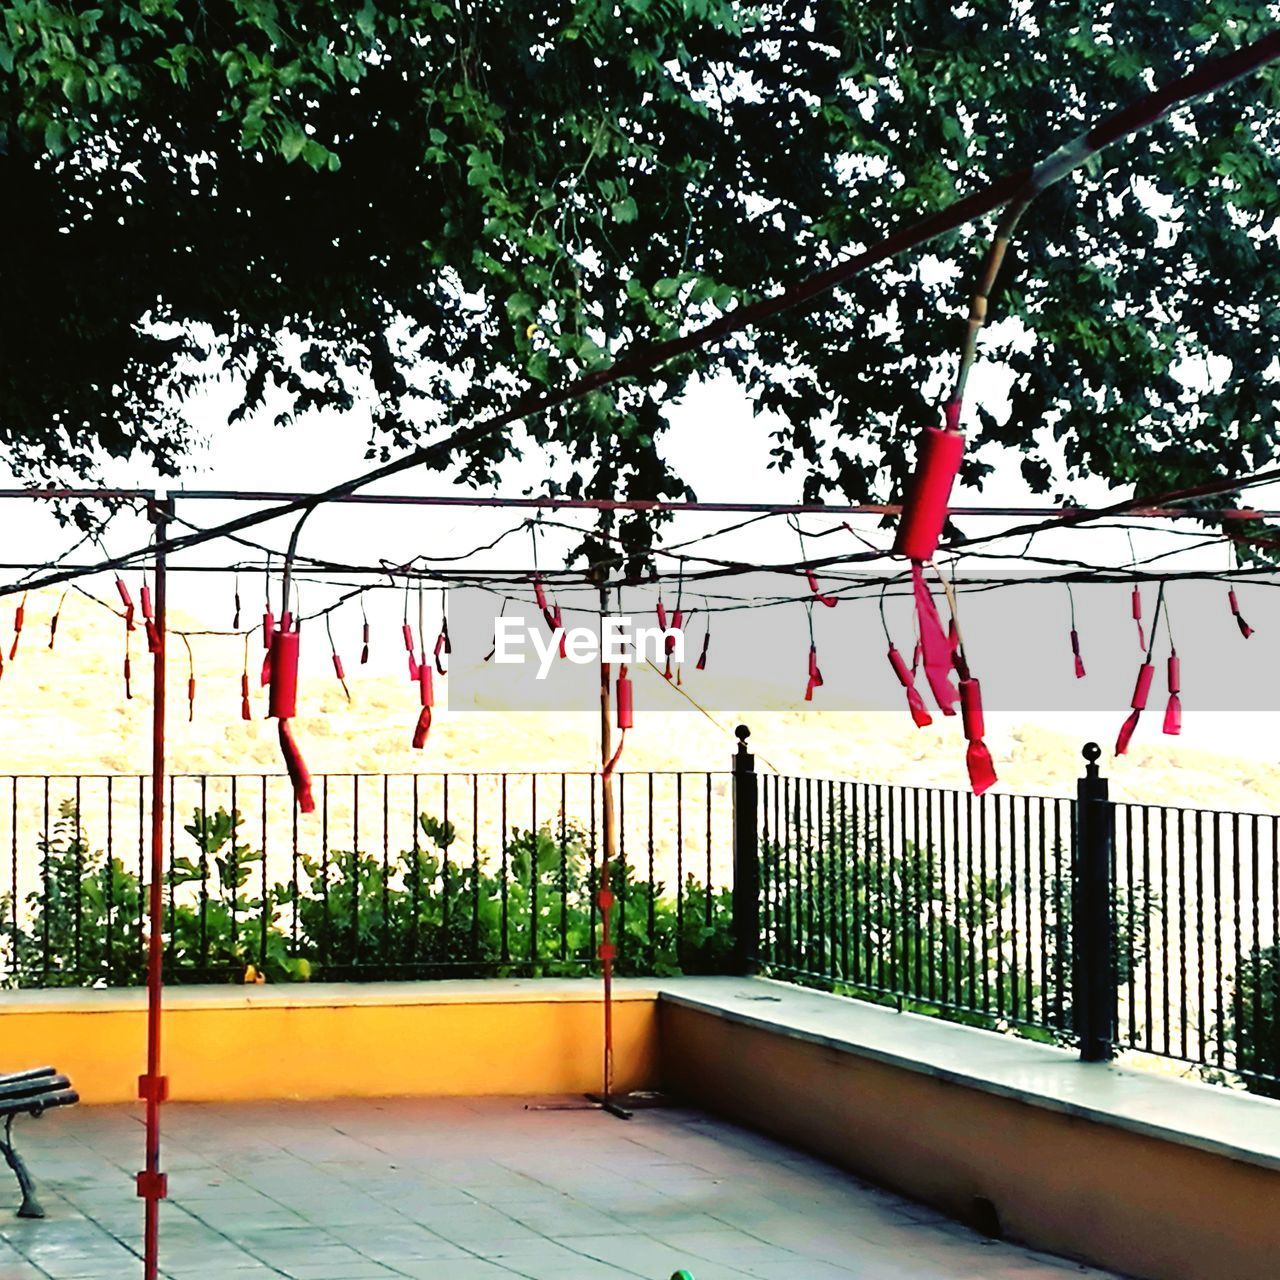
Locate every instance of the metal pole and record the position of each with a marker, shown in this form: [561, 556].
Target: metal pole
[609, 853]
[1093, 932]
[746, 856]
[153, 1087]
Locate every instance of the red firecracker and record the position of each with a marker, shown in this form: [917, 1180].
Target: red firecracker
[1075, 652]
[407, 632]
[706, 641]
[815, 674]
[1173, 708]
[283, 706]
[624, 711]
[906, 678]
[127, 600]
[982, 771]
[246, 712]
[938, 455]
[1136, 608]
[426, 697]
[818, 594]
[149, 621]
[1141, 690]
[268, 628]
[1245, 629]
[19, 617]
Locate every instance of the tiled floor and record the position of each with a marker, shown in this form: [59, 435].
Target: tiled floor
[472, 1190]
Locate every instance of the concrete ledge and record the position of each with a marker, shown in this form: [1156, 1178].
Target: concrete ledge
[328, 995]
[1209, 1118]
[1153, 1177]
[240, 1043]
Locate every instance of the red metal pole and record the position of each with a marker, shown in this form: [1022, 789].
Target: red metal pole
[153, 1087]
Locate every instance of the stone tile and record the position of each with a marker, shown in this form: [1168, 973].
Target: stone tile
[474, 1189]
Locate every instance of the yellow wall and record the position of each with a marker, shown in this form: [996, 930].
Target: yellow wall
[1071, 1186]
[250, 1051]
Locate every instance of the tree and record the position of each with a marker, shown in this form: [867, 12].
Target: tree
[438, 205]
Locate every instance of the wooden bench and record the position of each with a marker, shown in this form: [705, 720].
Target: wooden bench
[29, 1093]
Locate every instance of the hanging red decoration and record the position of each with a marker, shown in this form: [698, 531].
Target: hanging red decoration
[938, 455]
[283, 706]
[128, 677]
[444, 646]
[624, 712]
[235, 619]
[149, 621]
[364, 633]
[934, 645]
[1136, 607]
[982, 773]
[268, 628]
[701, 664]
[540, 594]
[915, 703]
[1173, 708]
[19, 617]
[815, 674]
[1141, 690]
[407, 632]
[127, 600]
[299, 774]
[245, 711]
[557, 624]
[53, 622]
[818, 594]
[1245, 629]
[1075, 651]
[662, 614]
[426, 697]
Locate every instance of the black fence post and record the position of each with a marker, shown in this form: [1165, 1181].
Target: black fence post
[1093, 920]
[746, 856]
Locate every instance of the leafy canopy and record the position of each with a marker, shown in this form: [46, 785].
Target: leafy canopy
[431, 207]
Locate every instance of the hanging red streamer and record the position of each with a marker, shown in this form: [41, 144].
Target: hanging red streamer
[934, 645]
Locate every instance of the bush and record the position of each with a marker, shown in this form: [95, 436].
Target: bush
[350, 915]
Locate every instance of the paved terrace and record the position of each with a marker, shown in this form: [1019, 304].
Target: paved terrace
[475, 1189]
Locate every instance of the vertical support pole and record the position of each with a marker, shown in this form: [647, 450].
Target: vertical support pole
[153, 1087]
[1093, 928]
[746, 856]
[609, 853]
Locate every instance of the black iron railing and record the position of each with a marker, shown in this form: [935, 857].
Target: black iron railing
[1106, 925]
[393, 876]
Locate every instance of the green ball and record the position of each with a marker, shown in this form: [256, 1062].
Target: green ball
[682, 1274]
